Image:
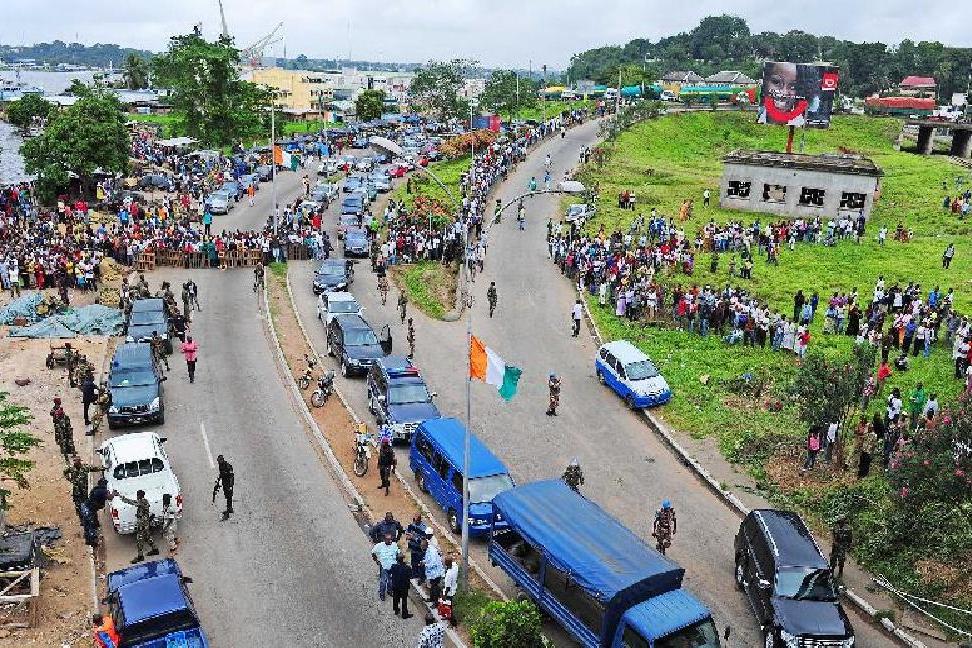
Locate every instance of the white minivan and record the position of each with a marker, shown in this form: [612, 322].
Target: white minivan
[631, 374]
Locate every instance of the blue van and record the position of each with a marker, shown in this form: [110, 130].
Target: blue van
[436, 458]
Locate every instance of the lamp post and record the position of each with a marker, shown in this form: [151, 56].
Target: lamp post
[273, 170]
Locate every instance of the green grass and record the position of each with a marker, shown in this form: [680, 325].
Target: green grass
[311, 126]
[449, 173]
[430, 286]
[279, 270]
[548, 108]
[167, 123]
[468, 604]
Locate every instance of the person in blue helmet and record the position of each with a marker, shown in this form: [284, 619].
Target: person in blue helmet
[664, 527]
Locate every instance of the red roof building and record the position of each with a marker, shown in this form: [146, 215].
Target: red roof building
[917, 86]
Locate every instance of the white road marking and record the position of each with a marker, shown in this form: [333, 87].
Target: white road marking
[209, 453]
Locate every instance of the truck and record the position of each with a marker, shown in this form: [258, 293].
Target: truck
[151, 608]
[597, 579]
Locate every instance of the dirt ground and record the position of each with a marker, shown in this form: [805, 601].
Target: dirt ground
[65, 601]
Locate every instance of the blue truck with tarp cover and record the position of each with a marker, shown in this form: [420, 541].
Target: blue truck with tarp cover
[591, 574]
[151, 608]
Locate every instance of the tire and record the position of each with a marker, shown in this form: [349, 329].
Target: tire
[344, 369]
[629, 402]
[600, 378]
[420, 482]
[454, 524]
[360, 466]
[740, 567]
[318, 398]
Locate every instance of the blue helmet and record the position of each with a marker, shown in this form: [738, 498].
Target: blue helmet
[666, 504]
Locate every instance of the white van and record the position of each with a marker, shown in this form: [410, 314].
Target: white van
[631, 374]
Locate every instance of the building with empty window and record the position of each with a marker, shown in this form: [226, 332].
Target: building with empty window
[797, 185]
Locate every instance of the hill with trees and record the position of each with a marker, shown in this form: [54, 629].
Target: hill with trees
[726, 43]
[97, 55]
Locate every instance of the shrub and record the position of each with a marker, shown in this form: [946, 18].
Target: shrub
[508, 623]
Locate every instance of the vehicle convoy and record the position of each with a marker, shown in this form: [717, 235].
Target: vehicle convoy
[436, 459]
[353, 342]
[148, 316]
[151, 608]
[596, 578]
[789, 583]
[135, 462]
[399, 397]
[331, 275]
[134, 387]
[334, 303]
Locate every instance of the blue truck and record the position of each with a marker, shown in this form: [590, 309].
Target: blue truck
[596, 578]
[151, 608]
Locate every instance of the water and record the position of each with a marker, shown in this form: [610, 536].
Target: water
[11, 162]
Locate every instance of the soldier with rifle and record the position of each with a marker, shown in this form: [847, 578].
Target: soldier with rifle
[225, 481]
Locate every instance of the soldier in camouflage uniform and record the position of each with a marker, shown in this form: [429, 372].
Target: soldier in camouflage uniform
[664, 527]
[142, 287]
[187, 300]
[158, 350]
[63, 431]
[573, 476]
[143, 524]
[101, 407]
[77, 474]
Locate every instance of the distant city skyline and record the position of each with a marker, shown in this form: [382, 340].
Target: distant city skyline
[502, 33]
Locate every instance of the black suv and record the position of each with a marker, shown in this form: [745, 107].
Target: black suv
[352, 340]
[788, 583]
[135, 387]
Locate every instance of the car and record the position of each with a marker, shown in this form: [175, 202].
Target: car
[150, 607]
[264, 172]
[134, 462]
[398, 397]
[324, 192]
[380, 181]
[788, 582]
[150, 317]
[369, 191]
[356, 243]
[328, 167]
[578, 212]
[347, 222]
[364, 164]
[248, 180]
[397, 171]
[631, 374]
[233, 188]
[219, 202]
[359, 143]
[351, 184]
[154, 181]
[135, 392]
[354, 343]
[331, 275]
[353, 205]
[333, 303]
[667, 95]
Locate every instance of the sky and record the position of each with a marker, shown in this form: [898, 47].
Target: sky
[497, 33]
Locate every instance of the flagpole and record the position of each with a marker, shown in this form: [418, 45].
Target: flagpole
[273, 169]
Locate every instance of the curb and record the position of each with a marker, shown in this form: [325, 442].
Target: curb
[735, 504]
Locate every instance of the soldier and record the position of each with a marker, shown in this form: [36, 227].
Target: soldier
[77, 474]
[101, 407]
[70, 362]
[63, 432]
[664, 527]
[186, 300]
[167, 295]
[225, 479]
[410, 338]
[574, 476]
[491, 297]
[142, 287]
[170, 524]
[843, 538]
[143, 524]
[158, 350]
[402, 304]
[554, 385]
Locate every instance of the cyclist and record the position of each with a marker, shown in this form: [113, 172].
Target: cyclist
[664, 526]
[491, 297]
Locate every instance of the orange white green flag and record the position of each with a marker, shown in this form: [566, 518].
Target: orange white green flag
[486, 365]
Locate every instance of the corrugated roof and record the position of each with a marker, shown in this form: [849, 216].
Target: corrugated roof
[682, 76]
[918, 81]
[730, 76]
[845, 164]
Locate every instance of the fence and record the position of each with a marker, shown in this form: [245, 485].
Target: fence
[244, 258]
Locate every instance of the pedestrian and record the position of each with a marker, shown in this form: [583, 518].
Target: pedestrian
[491, 297]
[705, 198]
[387, 525]
[401, 576]
[104, 631]
[432, 564]
[576, 313]
[431, 636]
[948, 255]
[450, 582]
[385, 555]
[386, 464]
[842, 540]
[143, 520]
[553, 385]
[170, 524]
[226, 479]
[89, 394]
[813, 447]
[190, 349]
[415, 535]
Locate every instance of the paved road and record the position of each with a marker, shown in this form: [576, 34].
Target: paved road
[628, 469]
[291, 568]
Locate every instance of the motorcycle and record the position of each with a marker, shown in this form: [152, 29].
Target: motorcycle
[304, 381]
[325, 386]
[362, 453]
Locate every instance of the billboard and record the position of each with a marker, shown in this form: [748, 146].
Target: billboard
[797, 94]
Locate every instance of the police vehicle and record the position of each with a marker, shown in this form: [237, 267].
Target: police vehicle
[398, 397]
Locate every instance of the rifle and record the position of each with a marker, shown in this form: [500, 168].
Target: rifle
[216, 487]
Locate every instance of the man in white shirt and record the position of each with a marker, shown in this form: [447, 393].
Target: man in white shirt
[451, 581]
[576, 313]
[384, 554]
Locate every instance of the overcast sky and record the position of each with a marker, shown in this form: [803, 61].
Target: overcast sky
[498, 33]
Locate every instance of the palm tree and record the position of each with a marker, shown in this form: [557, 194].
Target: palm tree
[135, 72]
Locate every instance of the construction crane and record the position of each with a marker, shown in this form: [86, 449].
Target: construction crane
[255, 51]
[222, 18]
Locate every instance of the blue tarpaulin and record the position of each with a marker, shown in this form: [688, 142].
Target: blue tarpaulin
[95, 319]
[579, 538]
[24, 306]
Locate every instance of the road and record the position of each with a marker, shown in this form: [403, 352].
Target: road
[628, 470]
[291, 567]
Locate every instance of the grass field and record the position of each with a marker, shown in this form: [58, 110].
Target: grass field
[686, 152]
[449, 172]
[430, 285]
[166, 122]
[548, 108]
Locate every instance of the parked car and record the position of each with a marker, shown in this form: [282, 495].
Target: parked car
[324, 193]
[248, 180]
[135, 392]
[154, 181]
[354, 343]
[333, 303]
[331, 275]
[356, 243]
[364, 164]
[398, 397]
[380, 181]
[436, 459]
[219, 202]
[264, 172]
[631, 374]
[151, 607]
[788, 582]
[353, 205]
[578, 212]
[134, 462]
[397, 171]
[327, 167]
[351, 184]
[369, 191]
[234, 189]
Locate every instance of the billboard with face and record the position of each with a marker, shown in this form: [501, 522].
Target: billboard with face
[797, 94]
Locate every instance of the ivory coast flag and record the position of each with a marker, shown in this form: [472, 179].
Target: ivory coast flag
[486, 365]
[285, 159]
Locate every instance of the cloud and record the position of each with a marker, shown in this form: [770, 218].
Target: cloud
[497, 33]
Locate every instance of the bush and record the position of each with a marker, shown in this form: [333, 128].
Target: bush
[508, 623]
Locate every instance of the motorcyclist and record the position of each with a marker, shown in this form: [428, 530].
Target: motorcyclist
[665, 526]
[553, 383]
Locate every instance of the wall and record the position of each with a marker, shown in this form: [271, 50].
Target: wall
[834, 184]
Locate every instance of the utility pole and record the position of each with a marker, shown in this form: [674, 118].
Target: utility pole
[617, 102]
[543, 97]
[273, 168]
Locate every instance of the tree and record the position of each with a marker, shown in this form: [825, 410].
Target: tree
[87, 136]
[136, 72]
[79, 88]
[826, 390]
[507, 91]
[210, 101]
[370, 104]
[15, 443]
[21, 113]
[508, 623]
[436, 87]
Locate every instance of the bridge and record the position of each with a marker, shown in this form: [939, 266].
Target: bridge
[961, 133]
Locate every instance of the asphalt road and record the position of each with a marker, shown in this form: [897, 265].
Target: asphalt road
[628, 470]
[291, 567]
